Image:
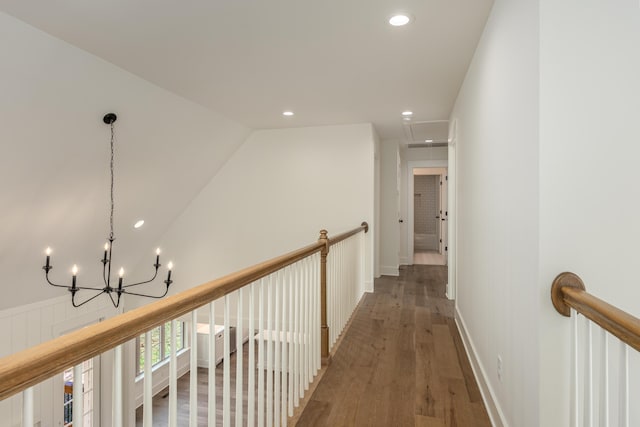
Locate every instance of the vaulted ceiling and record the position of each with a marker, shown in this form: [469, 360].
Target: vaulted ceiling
[330, 61]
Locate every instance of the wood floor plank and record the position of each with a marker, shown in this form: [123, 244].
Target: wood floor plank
[446, 356]
[424, 421]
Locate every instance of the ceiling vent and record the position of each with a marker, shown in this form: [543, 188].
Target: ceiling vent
[426, 144]
[433, 133]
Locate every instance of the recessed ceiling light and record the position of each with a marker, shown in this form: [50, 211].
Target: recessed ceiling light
[287, 113]
[399, 20]
[428, 140]
[138, 224]
[407, 113]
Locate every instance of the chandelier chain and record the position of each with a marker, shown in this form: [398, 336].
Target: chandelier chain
[111, 169]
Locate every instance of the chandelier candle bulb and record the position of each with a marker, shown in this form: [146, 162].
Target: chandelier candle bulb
[106, 248]
[157, 258]
[121, 274]
[48, 252]
[169, 267]
[74, 271]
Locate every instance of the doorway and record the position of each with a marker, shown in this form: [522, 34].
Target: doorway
[428, 215]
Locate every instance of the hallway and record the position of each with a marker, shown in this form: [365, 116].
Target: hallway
[401, 362]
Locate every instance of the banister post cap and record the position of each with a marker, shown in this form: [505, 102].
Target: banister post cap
[563, 280]
[324, 237]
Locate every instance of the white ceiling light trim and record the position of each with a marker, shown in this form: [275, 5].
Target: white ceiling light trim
[287, 113]
[407, 113]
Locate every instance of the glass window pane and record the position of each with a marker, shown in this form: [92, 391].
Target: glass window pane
[141, 353]
[167, 340]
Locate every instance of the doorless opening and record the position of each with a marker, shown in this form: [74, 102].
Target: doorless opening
[428, 215]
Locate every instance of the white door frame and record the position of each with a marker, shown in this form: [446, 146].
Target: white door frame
[411, 165]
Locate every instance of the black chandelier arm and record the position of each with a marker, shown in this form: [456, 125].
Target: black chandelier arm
[142, 283]
[148, 296]
[115, 304]
[53, 284]
[86, 288]
[73, 298]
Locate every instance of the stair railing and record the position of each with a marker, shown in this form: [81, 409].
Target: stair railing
[569, 296]
[279, 309]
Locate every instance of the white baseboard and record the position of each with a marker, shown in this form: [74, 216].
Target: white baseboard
[389, 270]
[488, 396]
[368, 286]
[449, 294]
[405, 261]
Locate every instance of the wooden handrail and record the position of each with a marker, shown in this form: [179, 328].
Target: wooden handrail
[568, 291]
[36, 364]
[340, 237]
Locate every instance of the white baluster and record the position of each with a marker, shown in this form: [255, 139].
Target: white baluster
[251, 371]
[299, 353]
[173, 377]
[574, 371]
[147, 409]
[588, 392]
[305, 326]
[340, 293]
[285, 338]
[293, 340]
[239, 357]
[212, 365]
[226, 375]
[269, 339]
[316, 324]
[193, 372]
[297, 343]
[261, 356]
[335, 298]
[604, 381]
[361, 262]
[361, 249]
[117, 395]
[277, 360]
[27, 406]
[624, 385]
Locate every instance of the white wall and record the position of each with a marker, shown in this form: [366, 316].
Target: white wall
[497, 207]
[274, 195]
[589, 104]
[54, 176]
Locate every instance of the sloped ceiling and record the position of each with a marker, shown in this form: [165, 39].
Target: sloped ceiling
[330, 61]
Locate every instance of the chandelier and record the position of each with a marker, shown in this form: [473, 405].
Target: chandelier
[121, 288]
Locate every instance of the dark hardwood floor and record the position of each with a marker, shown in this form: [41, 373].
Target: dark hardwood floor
[401, 362]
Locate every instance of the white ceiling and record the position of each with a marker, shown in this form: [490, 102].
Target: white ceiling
[330, 61]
